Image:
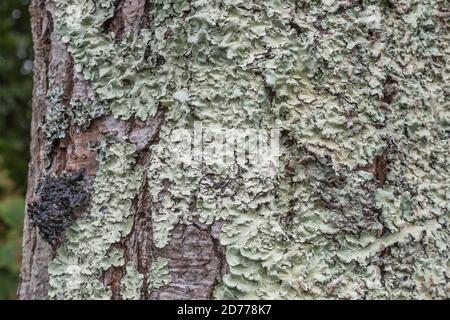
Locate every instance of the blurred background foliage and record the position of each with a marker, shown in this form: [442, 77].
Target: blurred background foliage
[15, 116]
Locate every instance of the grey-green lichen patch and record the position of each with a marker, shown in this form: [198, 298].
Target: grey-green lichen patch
[83, 112]
[347, 83]
[131, 283]
[60, 116]
[122, 73]
[159, 274]
[76, 271]
[330, 76]
[56, 121]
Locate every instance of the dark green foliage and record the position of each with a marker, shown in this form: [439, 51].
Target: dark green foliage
[15, 88]
[15, 116]
[11, 219]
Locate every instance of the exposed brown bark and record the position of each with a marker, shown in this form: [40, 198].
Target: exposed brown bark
[36, 253]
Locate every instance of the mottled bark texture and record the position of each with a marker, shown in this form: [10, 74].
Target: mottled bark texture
[355, 206]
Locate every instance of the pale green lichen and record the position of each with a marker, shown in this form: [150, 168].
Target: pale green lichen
[289, 236]
[347, 82]
[120, 72]
[131, 283]
[159, 274]
[83, 112]
[76, 271]
[60, 116]
[56, 122]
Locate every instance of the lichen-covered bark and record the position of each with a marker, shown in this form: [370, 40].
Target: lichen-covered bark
[358, 206]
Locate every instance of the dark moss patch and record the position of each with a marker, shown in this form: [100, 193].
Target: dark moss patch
[60, 200]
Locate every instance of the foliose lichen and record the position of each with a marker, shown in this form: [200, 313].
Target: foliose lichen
[87, 252]
[347, 82]
[56, 122]
[61, 115]
[159, 274]
[131, 283]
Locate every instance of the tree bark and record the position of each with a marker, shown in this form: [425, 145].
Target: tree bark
[356, 204]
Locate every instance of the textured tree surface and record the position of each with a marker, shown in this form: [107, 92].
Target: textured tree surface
[358, 204]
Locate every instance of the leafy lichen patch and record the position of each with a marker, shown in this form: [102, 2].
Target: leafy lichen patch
[131, 283]
[348, 83]
[76, 271]
[159, 274]
[61, 115]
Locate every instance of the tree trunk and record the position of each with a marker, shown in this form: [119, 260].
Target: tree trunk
[239, 149]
